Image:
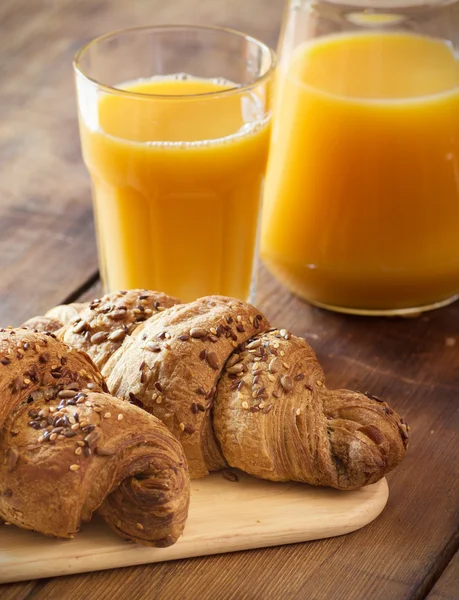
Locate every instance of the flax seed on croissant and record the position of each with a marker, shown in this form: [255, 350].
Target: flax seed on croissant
[68, 449]
[257, 403]
[55, 318]
[100, 328]
[171, 364]
[275, 419]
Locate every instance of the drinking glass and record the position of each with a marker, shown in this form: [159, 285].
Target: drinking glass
[361, 211]
[175, 125]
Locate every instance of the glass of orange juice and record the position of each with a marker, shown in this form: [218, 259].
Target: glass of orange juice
[175, 124]
[361, 210]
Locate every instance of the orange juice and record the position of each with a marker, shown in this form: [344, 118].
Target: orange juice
[176, 185]
[362, 191]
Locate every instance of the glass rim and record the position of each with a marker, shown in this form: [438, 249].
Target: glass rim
[236, 89]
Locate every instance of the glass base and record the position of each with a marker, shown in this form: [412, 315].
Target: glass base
[413, 312]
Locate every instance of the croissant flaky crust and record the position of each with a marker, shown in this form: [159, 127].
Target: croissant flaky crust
[170, 367]
[55, 318]
[101, 327]
[68, 449]
[275, 419]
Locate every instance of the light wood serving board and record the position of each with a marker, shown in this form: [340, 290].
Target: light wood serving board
[225, 516]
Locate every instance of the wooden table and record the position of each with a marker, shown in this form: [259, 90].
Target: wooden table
[48, 255]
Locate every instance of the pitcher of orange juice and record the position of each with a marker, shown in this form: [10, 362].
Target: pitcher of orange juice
[361, 206]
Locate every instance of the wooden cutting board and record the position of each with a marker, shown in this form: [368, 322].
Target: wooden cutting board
[225, 516]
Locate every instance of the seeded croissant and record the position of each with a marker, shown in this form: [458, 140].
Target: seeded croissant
[55, 318]
[171, 365]
[275, 419]
[100, 328]
[69, 450]
[235, 392]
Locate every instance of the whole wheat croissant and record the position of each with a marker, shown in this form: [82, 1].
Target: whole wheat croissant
[235, 392]
[68, 449]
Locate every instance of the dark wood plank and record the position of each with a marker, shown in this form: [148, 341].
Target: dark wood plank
[447, 587]
[46, 240]
[17, 591]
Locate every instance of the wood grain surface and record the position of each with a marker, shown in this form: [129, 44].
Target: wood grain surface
[47, 254]
[447, 587]
[225, 516]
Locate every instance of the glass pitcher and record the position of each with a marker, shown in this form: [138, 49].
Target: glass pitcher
[361, 207]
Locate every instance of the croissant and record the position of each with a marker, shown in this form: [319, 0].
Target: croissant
[236, 392]
[68, 449]
[55, 318]
[101, 326]
[279, 421]
[171, 365]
